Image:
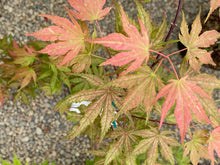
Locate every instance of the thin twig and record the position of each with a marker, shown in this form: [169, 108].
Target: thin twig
[170, 31]
[168, 60]
[156, 121]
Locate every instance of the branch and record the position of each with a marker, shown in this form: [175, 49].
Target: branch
[170, 31]
[156, 121]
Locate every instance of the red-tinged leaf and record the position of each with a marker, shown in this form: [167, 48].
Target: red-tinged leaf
[214, 4]
[80, 63]
[70, 37]
[2, 96]
[207, 82]
[24, 56]
[207, 38]
[136, 45]
[89, 9]
[196, 147]
[24, 74]
[214, 143]
[15, 45]
[194, 42]
[141, 89]
[183, 93]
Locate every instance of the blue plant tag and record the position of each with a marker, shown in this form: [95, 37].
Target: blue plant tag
[114, 122]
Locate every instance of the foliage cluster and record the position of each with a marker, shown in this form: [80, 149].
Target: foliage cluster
[121, 108]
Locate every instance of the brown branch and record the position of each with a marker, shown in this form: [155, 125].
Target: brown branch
[156, 121]
[170, 31]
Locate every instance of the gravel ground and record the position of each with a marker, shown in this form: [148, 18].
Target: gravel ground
[35, 134]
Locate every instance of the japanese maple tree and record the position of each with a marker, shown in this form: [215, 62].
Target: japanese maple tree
[130, 105]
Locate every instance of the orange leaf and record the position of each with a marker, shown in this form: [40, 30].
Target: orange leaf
[214, 143]
[214, 4]
[183, 92]
[194, 42]
[70, 37]
[136, 45]
[89, 9]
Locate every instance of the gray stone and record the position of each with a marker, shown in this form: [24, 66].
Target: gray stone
[25, 139]
[39, 131]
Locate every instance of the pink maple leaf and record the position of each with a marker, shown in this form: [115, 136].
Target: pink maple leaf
[214, 143]
[183, 92]
[69, 35]
[135, 47]
[89, 9]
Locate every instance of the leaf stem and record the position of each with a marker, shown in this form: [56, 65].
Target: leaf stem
[174, 22]
[156, 121]
[171, 63]
[98, 56]
[176, 52]
[170, 31]
[163, 66]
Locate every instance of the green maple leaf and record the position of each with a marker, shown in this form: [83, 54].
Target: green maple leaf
[141, 89]
[196, 147]
[123, 146]
[152, 140]
[101, 103]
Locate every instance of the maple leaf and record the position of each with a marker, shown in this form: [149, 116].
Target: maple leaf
[196, 147]
[69, 35]
[24, 56]
[141, 88]
[89, 9]
[184, 93]
[125, 142]
[152, 140]
[101, 102]
[214, 143]
[26, 74]
[214, 4]
[208, 83]
[136, 45]
[194, 42]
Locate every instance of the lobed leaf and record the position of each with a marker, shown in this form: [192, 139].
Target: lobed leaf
[194, 42]
[214, 4]
[196, 147]
[214, 143]
[89, 9]
[184, 93]
[114, 151]
[70, 37]
[136, 44]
